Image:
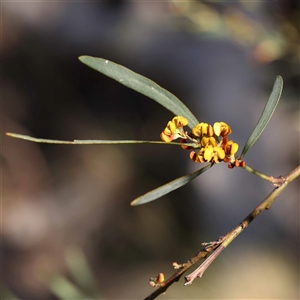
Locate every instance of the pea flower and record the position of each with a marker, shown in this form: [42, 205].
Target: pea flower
[174, 129]
[222, 129]
[230, 150]
[212, 141]
[208, 154]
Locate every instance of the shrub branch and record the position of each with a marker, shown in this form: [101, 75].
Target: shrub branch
[213, 249]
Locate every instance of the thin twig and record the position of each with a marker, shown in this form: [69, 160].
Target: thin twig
[257, 173]
[200, 270]
[265, 204]
[183, 268]
[218, 248]
[276, 182]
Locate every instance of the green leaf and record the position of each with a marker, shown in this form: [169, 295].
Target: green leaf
[80, 270]
[64, 289]
[90, 142]
[169, 187]
[142, 85]
[266, 115]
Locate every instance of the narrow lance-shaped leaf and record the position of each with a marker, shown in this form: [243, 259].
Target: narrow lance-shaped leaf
[90, 142]
[169, 187]
[142, 85]
[265, 116]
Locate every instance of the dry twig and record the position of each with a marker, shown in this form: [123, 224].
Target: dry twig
[215, 248]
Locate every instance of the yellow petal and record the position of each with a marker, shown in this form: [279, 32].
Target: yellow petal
[166, 137]
[197, 130]
[179, 121]
[225, 128]
[204, 128]
[213, 141]
[222, 128]
[234, 148]
[210, 131]
[219, 152]
[208, 153]
[217, 128]
[204, 141]
[172, 126]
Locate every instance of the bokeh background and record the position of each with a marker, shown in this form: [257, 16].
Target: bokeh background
[65, 209]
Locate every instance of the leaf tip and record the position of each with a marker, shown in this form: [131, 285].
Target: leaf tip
[134, 203]
[279, 81]
[83, 58]
[279, 77]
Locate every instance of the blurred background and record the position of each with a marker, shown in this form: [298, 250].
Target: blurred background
[67, 226]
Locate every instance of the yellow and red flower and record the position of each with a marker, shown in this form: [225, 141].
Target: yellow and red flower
[222, 129]
[174, 129]
[208, 154]
[212, 141]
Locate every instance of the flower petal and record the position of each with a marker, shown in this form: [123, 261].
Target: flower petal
[180, 121]
[234, 148]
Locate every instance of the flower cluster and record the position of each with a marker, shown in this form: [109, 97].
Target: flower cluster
[212, 141]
